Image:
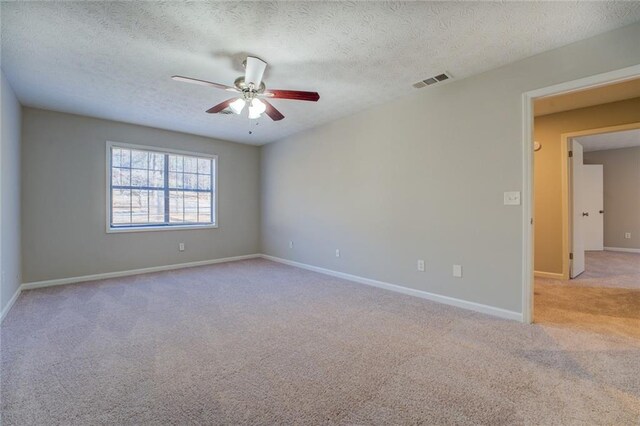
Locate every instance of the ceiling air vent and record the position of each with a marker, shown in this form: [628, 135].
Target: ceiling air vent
[432, 80]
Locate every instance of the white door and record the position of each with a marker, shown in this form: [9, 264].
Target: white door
[577, 182]
[593, 206]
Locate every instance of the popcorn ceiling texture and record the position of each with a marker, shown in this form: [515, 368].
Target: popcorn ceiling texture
[113, 60]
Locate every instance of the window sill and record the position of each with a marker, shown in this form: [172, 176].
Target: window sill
[159, 228]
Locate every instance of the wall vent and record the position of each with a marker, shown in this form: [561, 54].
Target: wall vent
[432, 80]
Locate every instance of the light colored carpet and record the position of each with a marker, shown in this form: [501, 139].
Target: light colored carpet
[604, 299]
[256, 342]
[610, 269]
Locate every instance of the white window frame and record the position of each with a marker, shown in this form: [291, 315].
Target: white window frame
[214, 186]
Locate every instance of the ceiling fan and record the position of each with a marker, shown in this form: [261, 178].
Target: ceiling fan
[251, 90]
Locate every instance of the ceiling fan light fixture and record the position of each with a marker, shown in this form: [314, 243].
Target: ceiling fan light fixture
[256, 108]
[238, 105]
[247, 89]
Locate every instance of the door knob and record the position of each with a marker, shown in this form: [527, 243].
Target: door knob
[601, 211]
[585, 213]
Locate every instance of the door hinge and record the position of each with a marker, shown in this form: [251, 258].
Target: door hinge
[571, 256]
[570, 154]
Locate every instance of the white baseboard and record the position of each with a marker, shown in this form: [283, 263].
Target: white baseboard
[554, 275]
[626, 250]
[94, 277]
[7, 308]
[478, 307]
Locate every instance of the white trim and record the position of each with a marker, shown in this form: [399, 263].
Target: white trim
[159, 228]
[477, 307]
[214, 186]
[485, 309]
[159, 149]
[591, 82]
[527, 172]
[94, 277]
[553, 275]
[527, 209]
[7, 308]
[622, 249]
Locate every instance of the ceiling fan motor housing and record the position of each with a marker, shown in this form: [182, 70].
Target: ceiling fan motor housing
[248, 90]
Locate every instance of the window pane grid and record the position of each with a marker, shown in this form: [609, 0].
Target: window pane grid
[152, 188]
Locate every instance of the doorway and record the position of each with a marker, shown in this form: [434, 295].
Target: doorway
[600, 289]
[590, 213]
[582, 183]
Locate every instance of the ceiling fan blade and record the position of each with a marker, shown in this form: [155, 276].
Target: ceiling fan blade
[254, 70]
[203, 83]
[292, 94]
[220, 106]
[272, 112]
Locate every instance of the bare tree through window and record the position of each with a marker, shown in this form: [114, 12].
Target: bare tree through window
[151, 188]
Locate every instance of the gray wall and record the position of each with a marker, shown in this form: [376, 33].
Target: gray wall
[423, 178]
[63, 200]
[10, 277]
[621, 170]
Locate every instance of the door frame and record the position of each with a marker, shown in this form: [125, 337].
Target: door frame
[528, 98]
[567, 187]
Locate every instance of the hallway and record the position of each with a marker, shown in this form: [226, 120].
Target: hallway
[604, 299]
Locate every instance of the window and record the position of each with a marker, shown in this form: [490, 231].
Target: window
[153, 189]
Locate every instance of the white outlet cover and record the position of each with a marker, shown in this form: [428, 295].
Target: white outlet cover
[512, 198]
[421, 265]
[337, 252]
[627, 235]
[290, 244]
[457, 271]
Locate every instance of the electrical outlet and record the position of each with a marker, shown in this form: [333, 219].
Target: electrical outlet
[290, 244]
[420, 265]
[181, 246]
[337, 252]
[627, 235]
[457, 271]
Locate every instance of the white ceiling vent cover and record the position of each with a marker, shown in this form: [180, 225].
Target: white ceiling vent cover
[433, 80]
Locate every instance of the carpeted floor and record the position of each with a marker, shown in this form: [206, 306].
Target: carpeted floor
[256, 342]
[604, 299]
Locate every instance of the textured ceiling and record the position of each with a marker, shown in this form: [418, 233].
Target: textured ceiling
[113, 59]
[624, 139]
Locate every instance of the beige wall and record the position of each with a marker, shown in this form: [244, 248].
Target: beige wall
[621, 170]
[423, 178]
[548, 162]
[606, 94]
[10, 277]
[63, 200]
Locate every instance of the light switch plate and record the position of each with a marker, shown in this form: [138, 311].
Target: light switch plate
[512, 198]
[457, 271]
